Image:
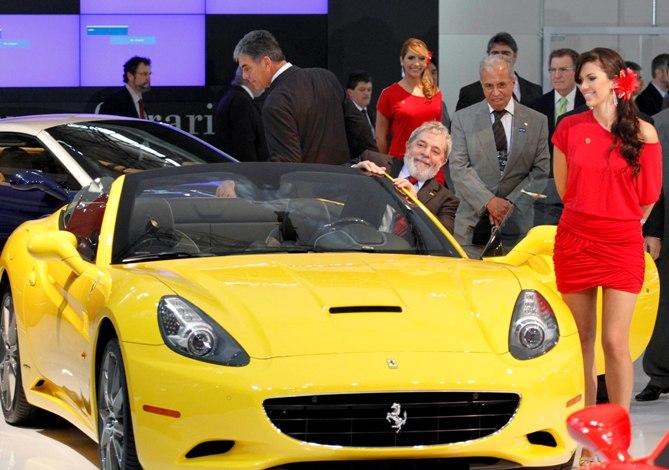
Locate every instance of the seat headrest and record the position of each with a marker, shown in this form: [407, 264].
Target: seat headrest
[307, 217]
[15, 157]
[150, 214]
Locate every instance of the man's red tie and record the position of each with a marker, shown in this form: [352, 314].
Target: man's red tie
[412, 180]
[141, 109]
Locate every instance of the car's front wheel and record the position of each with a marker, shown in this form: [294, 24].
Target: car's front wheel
[117, 442]
[15, 407]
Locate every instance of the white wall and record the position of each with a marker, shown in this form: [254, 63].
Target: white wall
[466, 25]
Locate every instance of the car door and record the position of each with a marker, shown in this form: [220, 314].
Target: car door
[19, 152]
[67, 305]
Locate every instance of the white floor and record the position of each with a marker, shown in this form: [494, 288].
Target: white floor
[60, 446]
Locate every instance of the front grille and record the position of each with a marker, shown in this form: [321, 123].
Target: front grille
[366, 419]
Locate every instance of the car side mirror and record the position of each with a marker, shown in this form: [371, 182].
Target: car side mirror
[27, 180]
[58, 245]
[604, 429]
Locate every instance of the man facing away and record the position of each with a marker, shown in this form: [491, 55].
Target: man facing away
[129, 101]
[303, 114]
[500, 148]
[238, 124]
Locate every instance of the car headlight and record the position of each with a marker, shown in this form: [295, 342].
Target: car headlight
[189, 331]
[534, 329]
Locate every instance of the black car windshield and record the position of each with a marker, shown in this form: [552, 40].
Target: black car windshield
[113, 148]
[246, 208]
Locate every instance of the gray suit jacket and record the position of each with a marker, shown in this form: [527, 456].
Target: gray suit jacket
[475, 170]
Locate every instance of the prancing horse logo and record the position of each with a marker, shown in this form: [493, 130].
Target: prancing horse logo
[394, 416]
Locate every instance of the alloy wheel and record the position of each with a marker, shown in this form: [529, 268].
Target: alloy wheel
[9, 354]
[112, 413]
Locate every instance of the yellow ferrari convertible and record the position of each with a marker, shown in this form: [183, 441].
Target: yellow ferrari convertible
[251, 316]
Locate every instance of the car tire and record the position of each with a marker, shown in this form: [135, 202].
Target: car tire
[115, 433]
[15, 407]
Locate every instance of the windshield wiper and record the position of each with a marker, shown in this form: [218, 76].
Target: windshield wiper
[165, 255]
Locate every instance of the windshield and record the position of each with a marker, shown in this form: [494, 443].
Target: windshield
[244, 208]
[112, 148]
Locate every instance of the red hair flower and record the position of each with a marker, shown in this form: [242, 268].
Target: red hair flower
[626, 84]
[428, 58]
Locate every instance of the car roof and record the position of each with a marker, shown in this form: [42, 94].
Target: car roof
[34, 124]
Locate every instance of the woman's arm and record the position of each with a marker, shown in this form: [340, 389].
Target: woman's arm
[560, 171]
[382, 125]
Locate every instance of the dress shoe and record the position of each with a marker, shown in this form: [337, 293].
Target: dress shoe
[651, 393]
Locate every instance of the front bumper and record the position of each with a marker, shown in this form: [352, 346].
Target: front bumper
[226, 403]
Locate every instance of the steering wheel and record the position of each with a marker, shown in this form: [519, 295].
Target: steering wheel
[160, 241]
[332, 226]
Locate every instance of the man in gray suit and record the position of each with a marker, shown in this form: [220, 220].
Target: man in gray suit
[500, 148]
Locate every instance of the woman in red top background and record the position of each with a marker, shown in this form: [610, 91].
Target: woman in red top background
[607, 166]
[405, 105]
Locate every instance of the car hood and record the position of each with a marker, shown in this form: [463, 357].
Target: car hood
[315, 303]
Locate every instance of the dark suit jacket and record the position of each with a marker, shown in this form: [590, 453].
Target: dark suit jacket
[545, 104]
[238, 126]
[649, 100]
[120, 104]
[304, 119]
[473, 93]
[439, 200]
[358, 133]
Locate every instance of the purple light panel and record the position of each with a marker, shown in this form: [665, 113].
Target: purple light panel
[174, 43]
[154, 7]
[39, 51]
[267, 7]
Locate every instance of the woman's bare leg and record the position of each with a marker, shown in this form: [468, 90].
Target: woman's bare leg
[583, 306]
[617, 310]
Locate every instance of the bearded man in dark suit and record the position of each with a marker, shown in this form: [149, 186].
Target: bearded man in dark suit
[303, 114]
[524, 91]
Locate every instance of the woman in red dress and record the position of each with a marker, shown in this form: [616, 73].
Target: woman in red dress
[405, 105]
[607, 166]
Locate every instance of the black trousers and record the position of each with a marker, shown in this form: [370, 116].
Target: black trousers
[656, 357]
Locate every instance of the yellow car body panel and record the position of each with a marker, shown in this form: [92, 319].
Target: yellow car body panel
[535, 254]
[450, 335]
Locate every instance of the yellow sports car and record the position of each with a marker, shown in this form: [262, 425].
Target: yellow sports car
[274, 315]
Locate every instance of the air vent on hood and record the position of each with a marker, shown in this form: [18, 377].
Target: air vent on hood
[366, 309]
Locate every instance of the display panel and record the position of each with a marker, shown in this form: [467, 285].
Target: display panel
[174, 43]
[177, 7]
[39, 7]
[39, 50]
[264, 7]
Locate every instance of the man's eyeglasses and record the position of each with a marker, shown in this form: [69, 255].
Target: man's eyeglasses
[561, 70]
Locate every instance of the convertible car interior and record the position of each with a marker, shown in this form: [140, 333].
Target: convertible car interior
[297, 211]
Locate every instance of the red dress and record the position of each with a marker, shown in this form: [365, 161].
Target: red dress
[405, 112]
[599, 240]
